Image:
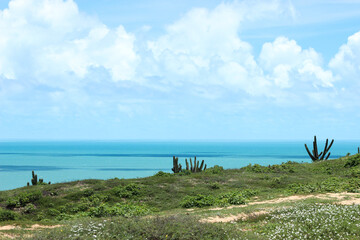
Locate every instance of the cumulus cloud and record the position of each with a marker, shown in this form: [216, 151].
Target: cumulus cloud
[287, 64]
[41, 39]
[347, 61]
[204, 47]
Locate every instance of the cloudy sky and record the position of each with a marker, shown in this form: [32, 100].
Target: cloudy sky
[160, 69]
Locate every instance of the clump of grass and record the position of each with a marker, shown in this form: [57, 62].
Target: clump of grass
[314, 221]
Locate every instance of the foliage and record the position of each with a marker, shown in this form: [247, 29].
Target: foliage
[215, 169]
[162, 174]
[6, 215]
[127, 191]
[233, 197]
[352, 161]
[22, 199]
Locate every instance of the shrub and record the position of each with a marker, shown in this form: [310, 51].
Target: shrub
[215, 169]
[29, 208]
[214, 186]
[22, 199]
[197, 201]
[162, 174]
[352, 161]
[127, 191]
[6, 215]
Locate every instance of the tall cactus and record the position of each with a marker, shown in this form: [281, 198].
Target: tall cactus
[195, 168]
[34, 180]
[315, 156]
[176, 167]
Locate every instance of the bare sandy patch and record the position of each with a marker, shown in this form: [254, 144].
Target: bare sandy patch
[37, 226]
[233, 218]
[7, 227]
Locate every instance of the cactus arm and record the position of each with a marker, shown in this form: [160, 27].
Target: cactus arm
[205, 167]
[187, 164]
[327, 156]
[315, 151]
[202, 164]
[325, 149]
[332, 141]
[311, 156]
[191, 166]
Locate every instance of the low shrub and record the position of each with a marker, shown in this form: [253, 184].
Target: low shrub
[163, 174]
[22, 199]
[6, 215]
[215, 169]
[352, 161]
[127, 191]
[198, 201]
[214, 186]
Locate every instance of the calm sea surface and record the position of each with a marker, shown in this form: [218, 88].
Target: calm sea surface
[67, 161]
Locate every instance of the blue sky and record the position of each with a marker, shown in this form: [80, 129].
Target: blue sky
[179, 70]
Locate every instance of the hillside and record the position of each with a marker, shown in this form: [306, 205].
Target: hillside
[253, 202]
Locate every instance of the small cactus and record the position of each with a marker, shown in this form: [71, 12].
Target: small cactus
[176, 167]
[34, 180]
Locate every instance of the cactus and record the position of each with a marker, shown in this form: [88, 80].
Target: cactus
[176, 167]
[34, 180]
[195, 168]
[315, 156]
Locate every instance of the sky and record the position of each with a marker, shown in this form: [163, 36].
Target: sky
[179, 70]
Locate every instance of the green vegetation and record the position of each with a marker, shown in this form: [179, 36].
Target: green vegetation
[170, 205]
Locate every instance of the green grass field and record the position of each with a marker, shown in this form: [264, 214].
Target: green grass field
[254, 202]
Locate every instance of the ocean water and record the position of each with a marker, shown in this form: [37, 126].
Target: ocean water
[74, 160]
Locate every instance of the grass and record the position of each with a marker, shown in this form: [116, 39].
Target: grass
[155, 207]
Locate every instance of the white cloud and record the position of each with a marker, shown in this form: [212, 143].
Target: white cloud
[287, 64]
[204, 47]
[347, 61]
[41, 40]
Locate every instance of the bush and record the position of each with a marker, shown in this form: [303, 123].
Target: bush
[215, 169]
[29, 208]
[22, 199]
[214, 186]
[162, 174]
[197, 201]
[352, 161]
[6, 215]
[127, 191]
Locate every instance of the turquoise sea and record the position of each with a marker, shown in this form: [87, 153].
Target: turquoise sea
[74, 160]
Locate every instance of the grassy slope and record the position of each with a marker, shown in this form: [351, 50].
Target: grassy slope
[162, 195]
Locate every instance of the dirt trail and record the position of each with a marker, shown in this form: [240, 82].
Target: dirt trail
[5, 235]
[343, 198]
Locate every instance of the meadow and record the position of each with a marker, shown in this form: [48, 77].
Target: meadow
[291, 200]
